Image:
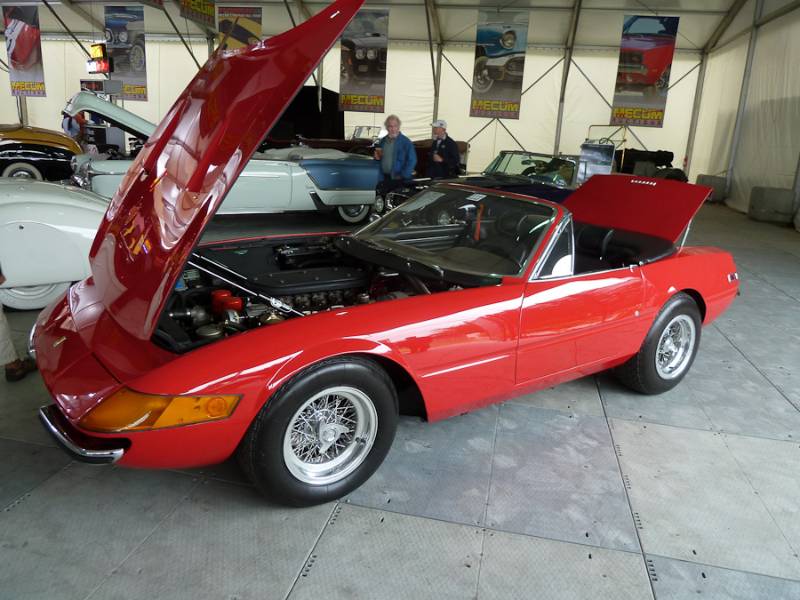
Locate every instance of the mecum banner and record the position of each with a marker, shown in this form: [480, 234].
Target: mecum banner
[199, 11]
[499, 64]
[362, 74]
[645, 61]
[239, 26]
[126, 47]
[24, 47]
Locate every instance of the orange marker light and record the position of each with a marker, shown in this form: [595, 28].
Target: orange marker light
[127, 410]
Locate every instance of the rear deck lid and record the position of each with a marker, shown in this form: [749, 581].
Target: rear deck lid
[191, 161]
[657, 207]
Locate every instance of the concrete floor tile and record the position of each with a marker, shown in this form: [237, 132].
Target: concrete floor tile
[72, 530]
[578, 397]
[680, 580]
[366, 553]
[223, 541]
[229, 471]
[556, 476]
[721, 392]
[693, 501]
[26, 466]
[773, 469]
[19, 405]
[763, 325]
[438, 470]
[520, 567]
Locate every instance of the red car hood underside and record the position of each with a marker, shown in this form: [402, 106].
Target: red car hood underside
[191, 161]
[657, 207]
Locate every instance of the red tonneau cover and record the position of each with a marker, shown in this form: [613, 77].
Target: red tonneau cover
[658, 207]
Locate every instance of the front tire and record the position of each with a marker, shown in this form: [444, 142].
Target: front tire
[353, 214]
[323, 434]
[23, 170]
[32, 297]
[668, 350]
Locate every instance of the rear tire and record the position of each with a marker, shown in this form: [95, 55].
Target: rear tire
[23, 171]
[32, 297]
[668, 350]
[323, 434]
[353, 214]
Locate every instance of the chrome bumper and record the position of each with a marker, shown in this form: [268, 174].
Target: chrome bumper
[31, 348]
[97, 451]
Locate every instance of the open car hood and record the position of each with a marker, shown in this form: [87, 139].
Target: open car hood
[116, 115]
[657, 207]
[191, 161]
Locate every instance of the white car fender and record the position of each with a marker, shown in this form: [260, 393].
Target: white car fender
[46, 231]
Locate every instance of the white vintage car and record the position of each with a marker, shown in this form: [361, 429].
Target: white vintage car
[289, 179]
[46, 230]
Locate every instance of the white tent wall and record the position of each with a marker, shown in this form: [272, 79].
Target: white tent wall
[169, 69]
[718, 105]
[584, 107]
[770, 137]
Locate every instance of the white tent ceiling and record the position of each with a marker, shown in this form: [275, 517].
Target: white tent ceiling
[599, 23]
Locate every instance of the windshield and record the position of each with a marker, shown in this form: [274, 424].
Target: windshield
[639, 25]
[463, 231]
[537, 167]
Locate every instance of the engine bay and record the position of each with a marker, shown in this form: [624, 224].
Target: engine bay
[229, 288]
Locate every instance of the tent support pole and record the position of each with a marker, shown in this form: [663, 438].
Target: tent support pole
[737, 128]
[698, 98]
[569, 46]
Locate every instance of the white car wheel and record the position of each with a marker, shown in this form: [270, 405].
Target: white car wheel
[353, 214]
[33, 296]
[22, 170]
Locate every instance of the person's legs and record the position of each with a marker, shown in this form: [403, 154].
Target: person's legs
[15, 368]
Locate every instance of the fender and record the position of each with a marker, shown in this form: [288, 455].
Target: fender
[688, 270]
[39, 254]
[329, 349]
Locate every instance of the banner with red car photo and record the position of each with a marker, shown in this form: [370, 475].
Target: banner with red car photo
[499, 64]
[126, 48]
[645, 60]
[199, 11]
[362, 78]
[239, 26]
[24, 47]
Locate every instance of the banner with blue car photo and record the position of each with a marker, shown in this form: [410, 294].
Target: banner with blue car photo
[499, 64]
[126, 47]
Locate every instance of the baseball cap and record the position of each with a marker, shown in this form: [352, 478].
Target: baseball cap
[439, 123]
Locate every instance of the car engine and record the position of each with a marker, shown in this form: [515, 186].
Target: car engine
[230, 288]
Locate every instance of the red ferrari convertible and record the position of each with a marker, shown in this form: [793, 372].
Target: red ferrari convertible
[297, 353]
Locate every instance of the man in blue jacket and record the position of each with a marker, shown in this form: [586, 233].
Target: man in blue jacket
[397, 156]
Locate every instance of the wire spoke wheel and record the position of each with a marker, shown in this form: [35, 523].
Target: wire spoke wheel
[330, 435]
[675, 347]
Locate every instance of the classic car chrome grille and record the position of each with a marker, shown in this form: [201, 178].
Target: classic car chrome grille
[630, 58]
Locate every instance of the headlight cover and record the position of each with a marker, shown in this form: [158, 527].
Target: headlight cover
[127, 410]
[508, 39]
[372, 54]
[360, 53]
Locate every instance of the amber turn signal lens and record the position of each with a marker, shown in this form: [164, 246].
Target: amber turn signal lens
[127, 410]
